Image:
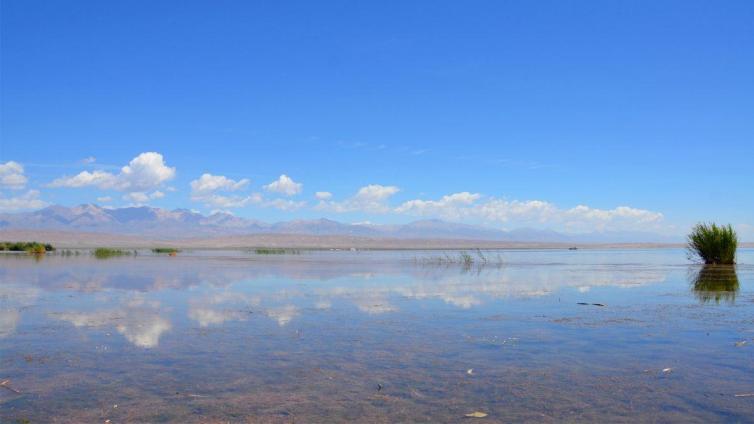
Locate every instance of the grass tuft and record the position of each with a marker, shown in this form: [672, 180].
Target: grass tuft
[105, 252]
[713, 244]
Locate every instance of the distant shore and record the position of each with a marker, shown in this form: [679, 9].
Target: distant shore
[72, 239]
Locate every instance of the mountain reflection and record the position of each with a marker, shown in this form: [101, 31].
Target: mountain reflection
[716, 283]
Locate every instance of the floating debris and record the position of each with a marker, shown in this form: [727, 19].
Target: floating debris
[598, 304]
[744, 395]
[667, 370]
[379, 387]
[741, 343]
[470, 371]
[6, 384]
[476, 414]
[583, 303]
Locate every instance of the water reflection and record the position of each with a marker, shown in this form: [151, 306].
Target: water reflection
[372, 339]
[218, 291]
[138, 319]
[716, 283]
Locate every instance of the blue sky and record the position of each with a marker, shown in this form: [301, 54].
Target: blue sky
[549, 114]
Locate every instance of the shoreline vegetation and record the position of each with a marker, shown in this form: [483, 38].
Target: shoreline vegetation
[31, 247]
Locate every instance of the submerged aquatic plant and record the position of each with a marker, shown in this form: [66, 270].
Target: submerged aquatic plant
[713, 244]
[716, 283]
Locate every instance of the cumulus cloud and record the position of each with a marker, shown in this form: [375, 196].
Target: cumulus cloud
[12, 176]
[466, 205]
[28, 200]
[215, 191]
[140, 197]
[209, 189]
[371, 199]
[284, 204]
[323, 195]
[448, 206]
[209, 183]
[284, 185]
[145, 172]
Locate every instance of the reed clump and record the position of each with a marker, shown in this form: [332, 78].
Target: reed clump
[713, 244]
[461, 258]
[106, 252]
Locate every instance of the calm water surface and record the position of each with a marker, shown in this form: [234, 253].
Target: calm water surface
[376, 337]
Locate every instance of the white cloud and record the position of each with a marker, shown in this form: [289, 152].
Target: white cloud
[104, 199]
[284, 204]
[88, 160]
[538, 213]
[101, 179]
[224, 202]
[12, 176]
[284, 185]
[323, 195]
[145, 172]
[28, 200]
[447, 207]
[140, 197]
[209, 183]
[371, 199]
[205, 190]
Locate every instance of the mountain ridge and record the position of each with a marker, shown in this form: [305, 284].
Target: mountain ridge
[184, 223]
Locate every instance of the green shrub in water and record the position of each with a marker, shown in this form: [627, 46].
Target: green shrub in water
[713, 244]
[105, 252]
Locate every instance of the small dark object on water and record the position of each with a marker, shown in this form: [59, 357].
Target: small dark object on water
[379, 387]
[582, 303]
[573, 248]
[598, 304]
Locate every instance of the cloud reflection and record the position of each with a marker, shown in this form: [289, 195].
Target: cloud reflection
[137, 320]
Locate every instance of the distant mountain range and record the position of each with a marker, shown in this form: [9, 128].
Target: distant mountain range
[153, 222]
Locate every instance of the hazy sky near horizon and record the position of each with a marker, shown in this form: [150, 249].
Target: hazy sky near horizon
[570, 115]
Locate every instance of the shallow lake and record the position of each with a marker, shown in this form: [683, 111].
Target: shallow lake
[396, 336]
